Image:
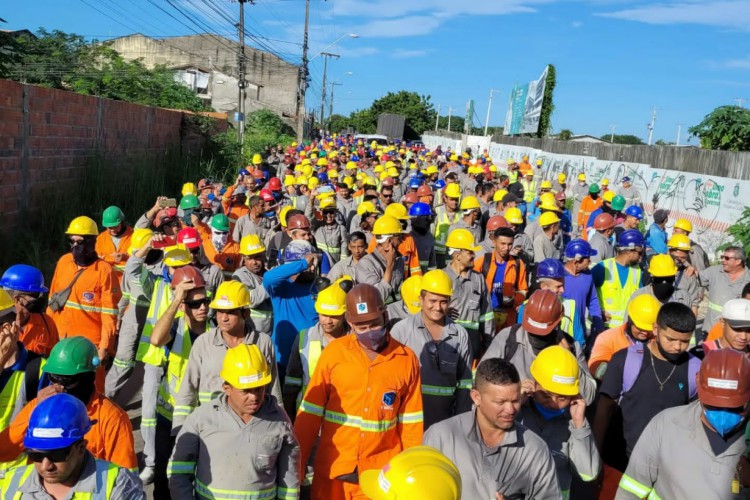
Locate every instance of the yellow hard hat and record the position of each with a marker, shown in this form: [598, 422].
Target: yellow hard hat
[453, 190]
[305, 162]
[499, 195]
[438, 282]
[608, 196]
[333, 174]
[289, 180]
[605, 182]
[461, 239]
[581, 177]
[7, 304]
[493, 169]
[392, 172]
[386, 225]
[307, 170]
[229, 296]
[643, 310]
[189, 188]
[470, 203]
[546, 185]
[327, 203]
[177, 257]
[418, 473]
[389, 164]
[539, 162]
[350, 165]
[680, 242]
[661, 266]
[312, 183]
[510, 161]
[378, 169]
[514, 216]
[684, 224]
[245, 367]
[397, 211]
[83, 226]
[302, 180]
[383, 175]
[322, 162]
[547, 198]
[561, 178]
[366, 207]
[454, 157]
[410, 293]
[556, 370]
[331, 301]
[370, 181]
[139, 238]
[432, 169]
[251, 245]
[257, 160]
[548, 218]
[282, 214]
[548, 205]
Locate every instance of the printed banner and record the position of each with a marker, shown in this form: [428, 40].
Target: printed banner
[525, 107]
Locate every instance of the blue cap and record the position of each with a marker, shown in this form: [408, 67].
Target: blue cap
[626, 179]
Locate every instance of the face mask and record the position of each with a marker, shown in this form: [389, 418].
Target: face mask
[269, 214]
[546, 413]
[373, 339]
[669, 356]
[85, 254]
[723, 421]
[420, 224]
[663, 290]
[219, 240]
[153, 256]
[581, 183]
[36, 305]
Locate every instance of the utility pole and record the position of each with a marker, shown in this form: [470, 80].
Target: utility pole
[650, 126]
[241, 82]
[679, 133]
[612, 135]
[450, 110]
[303, 80]
[739, 101]
[489, 107]
[437, 118]
[326, 55]
[330, 105]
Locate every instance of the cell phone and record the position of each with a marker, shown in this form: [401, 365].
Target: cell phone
[168, 241]
[168, 203]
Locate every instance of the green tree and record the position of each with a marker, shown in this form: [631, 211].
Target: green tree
[565, 134]
[418, 110]
[338, 123]
[457, 124]
[726, 128]
[363, 121]
[548, 106]
[10, 52]
[622, 139]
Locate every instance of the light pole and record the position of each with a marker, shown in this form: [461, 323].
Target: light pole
[321, 53]
[489, 107]
[612, 134]
[330, 105]
[241, 82]
[302, 84]
[323, 93]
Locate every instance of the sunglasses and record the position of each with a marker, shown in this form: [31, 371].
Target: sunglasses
[196, 304]
[68, 382]
[386, 195]
[75, 243]
[727, 257]
[57, 456]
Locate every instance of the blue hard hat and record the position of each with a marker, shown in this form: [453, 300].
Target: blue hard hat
[57, 422]
[634, 211]
[23, 278]
[550, 268]
[297, 250]
[420, 209]
[414, 184]
[630, 239]
[419, 175]
[323, 178]
[354, 158]
[579, 249]
[244, 171]
[440, 184]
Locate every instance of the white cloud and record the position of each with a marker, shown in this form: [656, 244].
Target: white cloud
[408, 54]
[719, 13]
[395, 28]
[576, 24]
[738, 63]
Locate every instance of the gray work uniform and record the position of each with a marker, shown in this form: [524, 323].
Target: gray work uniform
[212, 275]
[475, 229]
[396, 312]
[127, 486]
[425, 244]
[371, 269]
[202, 381]
[526, 244]
[333, 240]
[533, 229]
[578, 193]
[245, 226]
[689, 285]
[679, 296]
[545, 248]
[345, 267]
[524, 356]
[218, 455]
[143, 222]
[474, 310]
[632, 196]
[261, 309]
[603, 247]
[697, 257]
[720, 290]
[573, 450]
[674, 459]
[487, 246]
[445, 366]
[347, 207]
[520, 467]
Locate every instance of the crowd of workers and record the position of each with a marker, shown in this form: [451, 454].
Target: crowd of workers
[351, 320]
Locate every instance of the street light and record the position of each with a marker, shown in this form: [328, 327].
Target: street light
[350, 35]
[489, 107]
[333, 86]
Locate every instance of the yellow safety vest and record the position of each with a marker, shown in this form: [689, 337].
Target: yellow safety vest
[106, 475]
[160, 301]
[8, 397]
[529, 190]
[569, 318]
[443, 225]
[309, 353]
[175, 372]
[513, 176]
[613, 297]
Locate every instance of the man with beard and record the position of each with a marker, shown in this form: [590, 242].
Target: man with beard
[61, 465]
[421, 217]
[70, 369]
[85, 292]
[113, 243]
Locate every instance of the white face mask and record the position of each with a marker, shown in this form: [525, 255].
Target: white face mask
[219, 240]
[581, 183]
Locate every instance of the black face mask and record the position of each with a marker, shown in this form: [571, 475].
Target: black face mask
[36, 305]
[85, 254]
[541, 342]
[420, 224]
[153, 256]
[663, 289]
[84, 389]
[121, 230]
[669, 356]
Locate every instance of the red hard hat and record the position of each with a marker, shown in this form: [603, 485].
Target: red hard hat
[560, 196]
[298, 221]
[266, 195]
[204, 184]
[410, 198]
[424, 190]
[724, 379]
[189, 237]
[364, 304]
[388, 181]
[257, 174]
[543, 313]
[164, 215]
[187, 273]
[604, 222]
[496, 222]
[274, 184]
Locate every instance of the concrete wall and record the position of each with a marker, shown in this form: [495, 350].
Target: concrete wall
[48, 136]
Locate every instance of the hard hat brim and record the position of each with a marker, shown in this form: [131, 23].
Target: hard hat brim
[252, 385]
[369, 482]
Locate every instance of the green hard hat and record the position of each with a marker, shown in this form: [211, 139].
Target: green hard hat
[220, 222]
[189, 201]
[112, 217]
[618, 203]
[72, 356]
[594, 188]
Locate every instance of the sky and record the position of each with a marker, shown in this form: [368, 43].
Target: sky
[616, 60]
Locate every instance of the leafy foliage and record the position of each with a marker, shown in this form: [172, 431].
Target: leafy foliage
[418, 110]
[565, 134]
[10, 52]
[548, 106]
[726, 128]
[622, 139]
[740, 231]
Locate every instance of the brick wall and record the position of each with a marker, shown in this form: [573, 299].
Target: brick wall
[48, 136]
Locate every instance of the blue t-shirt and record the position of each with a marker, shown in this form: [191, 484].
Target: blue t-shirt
[497, 285]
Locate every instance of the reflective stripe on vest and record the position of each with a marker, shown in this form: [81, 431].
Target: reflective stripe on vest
[309, 353]
[715, 307]
[8, 397]
[106, 475]
[569, 319]
[529, 190]
[442, 227]
[205, 491]
[175, 372]
[613, 297]
[160, 300]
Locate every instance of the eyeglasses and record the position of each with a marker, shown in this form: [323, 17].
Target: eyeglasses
[196, 304]
[75, 243]
[728, 257]
[68, 382]
[59, 455]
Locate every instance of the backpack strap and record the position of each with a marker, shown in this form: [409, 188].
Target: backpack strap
[694, 365]
[511, 345]
[486, 264]
[633, 362]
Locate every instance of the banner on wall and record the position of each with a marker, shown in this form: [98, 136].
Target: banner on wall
[525, 107]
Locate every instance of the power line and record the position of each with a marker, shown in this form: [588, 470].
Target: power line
[110, 17]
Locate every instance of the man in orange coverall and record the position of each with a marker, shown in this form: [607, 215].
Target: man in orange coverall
[113, 243]
[364, 400]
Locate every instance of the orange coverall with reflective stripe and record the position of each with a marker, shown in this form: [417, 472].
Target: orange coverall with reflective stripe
[228, 259]
[91, 309]
[365, 412]
[110, 437]
[39, 334]
[408, 250]
[233, 211]
[588, 205]
[512, 267]
[105, 247]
